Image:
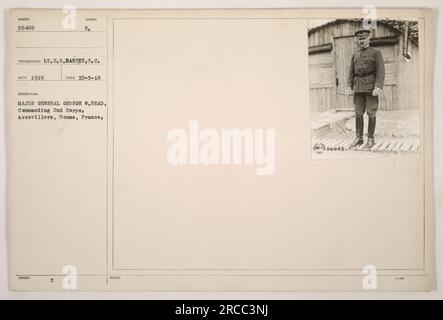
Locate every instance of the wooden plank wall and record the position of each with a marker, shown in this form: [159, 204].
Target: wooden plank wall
[401, 82]
[387, 101]
[321, 81]
[408, 78]
[322, 99]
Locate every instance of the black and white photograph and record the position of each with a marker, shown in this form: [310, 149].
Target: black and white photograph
[264, 151]
[364, 87]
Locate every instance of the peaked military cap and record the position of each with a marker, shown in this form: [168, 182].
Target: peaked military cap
[363, 32]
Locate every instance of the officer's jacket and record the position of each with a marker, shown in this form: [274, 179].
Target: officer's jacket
[367, 70]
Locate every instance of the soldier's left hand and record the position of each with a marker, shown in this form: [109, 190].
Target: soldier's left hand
[377, 91]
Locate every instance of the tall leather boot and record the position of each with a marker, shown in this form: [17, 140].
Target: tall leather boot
[371, 131]
[358, 131]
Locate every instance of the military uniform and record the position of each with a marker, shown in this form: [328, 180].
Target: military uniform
[367, 72]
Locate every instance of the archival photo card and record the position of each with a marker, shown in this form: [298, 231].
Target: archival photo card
[220, 150]
[364, 87]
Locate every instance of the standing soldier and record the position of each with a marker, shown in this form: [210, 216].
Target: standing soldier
[365, 81]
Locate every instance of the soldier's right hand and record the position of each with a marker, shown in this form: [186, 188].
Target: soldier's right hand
[349, 91]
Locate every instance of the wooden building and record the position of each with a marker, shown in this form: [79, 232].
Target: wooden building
[330, 50]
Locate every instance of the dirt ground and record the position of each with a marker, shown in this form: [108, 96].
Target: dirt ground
[395, 124]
